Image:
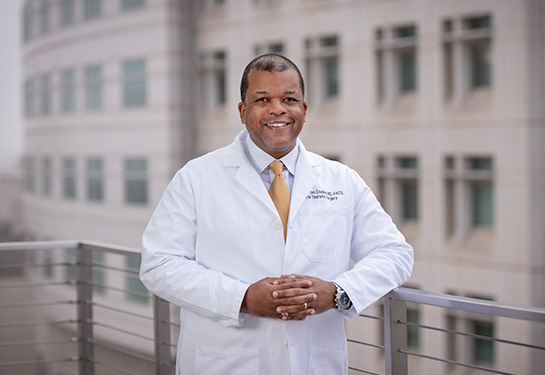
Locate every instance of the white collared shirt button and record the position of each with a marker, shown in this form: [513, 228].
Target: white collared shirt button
[278, 226]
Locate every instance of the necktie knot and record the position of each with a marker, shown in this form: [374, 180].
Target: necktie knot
[276, 167]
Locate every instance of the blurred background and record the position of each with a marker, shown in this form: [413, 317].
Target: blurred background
[438, 105]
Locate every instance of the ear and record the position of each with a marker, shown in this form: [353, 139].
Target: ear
[242, 112]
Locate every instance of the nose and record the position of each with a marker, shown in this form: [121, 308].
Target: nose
[277, 108]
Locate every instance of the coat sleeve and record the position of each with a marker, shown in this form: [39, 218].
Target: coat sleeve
[169, 268]
[383, 259]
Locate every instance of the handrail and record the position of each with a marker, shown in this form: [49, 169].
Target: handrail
[395, 314]
[467, 304]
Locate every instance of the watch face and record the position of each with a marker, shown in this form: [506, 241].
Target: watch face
[344, 300]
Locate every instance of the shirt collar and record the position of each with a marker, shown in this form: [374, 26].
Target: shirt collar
[261, 160]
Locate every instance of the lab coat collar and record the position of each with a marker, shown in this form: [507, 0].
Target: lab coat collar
[307, 172]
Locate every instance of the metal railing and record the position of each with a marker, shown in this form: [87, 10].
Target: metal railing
[79, 287]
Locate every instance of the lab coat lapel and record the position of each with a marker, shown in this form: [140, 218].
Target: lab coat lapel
[246, 175]
[306, 174]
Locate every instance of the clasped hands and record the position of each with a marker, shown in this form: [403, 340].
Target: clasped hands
[289, 297]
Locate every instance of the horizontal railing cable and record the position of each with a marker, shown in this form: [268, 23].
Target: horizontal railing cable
[110, 367]
[371, 317]
[110, 268]
[121, 290]
[363, 371]
[38, 323]
[39, 362]
[170, 366]
[118, 349]
[472, 335]
[126, 312]
[38, 342]
[454, 362]
[34, 285]
[365, 343]
[38, 304]
[36, 265]
[98, 324]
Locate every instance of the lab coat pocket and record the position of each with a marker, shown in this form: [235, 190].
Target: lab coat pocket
[327, 361]
[323, 231]
[210, 360]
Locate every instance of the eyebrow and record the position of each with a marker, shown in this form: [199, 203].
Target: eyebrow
[264, 92]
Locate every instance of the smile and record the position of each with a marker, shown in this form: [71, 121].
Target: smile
[277, 125]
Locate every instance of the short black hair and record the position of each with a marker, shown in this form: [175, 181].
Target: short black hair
[269, 62]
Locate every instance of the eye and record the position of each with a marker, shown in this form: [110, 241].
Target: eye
[289, 99]
[262, 100]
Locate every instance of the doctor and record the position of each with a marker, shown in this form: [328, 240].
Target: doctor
[257, 259]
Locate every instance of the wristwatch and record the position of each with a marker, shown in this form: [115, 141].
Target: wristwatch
[342, 301]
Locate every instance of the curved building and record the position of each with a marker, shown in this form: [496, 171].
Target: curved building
[437, 104]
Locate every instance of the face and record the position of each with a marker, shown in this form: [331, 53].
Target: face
[275, 111]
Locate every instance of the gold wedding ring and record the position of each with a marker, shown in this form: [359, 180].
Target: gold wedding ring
[285, 314]
[306, 306]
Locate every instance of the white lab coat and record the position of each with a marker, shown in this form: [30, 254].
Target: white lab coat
[216, 231]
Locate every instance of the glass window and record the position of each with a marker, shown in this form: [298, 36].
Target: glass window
[46, 176]
[29, 97]
[132, 4]
[44, 16]
[70, 272]
[134, 86]
[480, 66]
[69, 178]
[45, 96]
[48, 260]
[405, 32]
[30, 175]
[66, 10]
[99, 277]
[136, 183]
[397, 63]
[276, 48]
[91, 9]
[220, 78]
[331, 68]
[479, 51]
[413, 332]
[476, 23]
[27, 23]
[409, 198]
[483, 203]
[482, 194]
[407, 70]
[483, 349]
[68, 90]
[409, 188]
[95, 180]
[93, 87]
[134, 284]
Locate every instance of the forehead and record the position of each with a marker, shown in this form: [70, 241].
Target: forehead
[262, 80]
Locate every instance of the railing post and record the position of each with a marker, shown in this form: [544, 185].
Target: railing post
[85, 309]
[395, 336]
[161, 318]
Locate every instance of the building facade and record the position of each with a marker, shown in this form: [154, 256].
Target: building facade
[438, 105]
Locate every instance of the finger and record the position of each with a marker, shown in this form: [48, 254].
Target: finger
[307, 294]
[300, 315]
[293, 283]
[292, 305]
[291, 290]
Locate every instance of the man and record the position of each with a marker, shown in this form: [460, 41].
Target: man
[264, 285]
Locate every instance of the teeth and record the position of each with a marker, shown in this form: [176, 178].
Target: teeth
[276, 125]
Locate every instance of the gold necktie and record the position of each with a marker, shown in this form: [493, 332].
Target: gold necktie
[280, 194]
